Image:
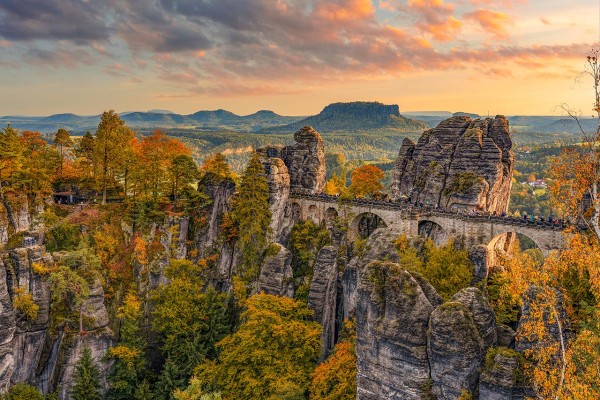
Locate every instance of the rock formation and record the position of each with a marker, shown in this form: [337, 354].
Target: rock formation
[380, 246]
[482, 312]
[498, 380]
[304, 160]
[322, 296]
[461, 164]
[276, 273]
[455, 350]
[392, 317]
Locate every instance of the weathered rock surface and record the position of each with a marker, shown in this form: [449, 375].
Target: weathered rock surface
[220, 192]
[460, 164]
[304, 160]
[482, 312]
[322, 296]
[279, 191]
[455, 350]
[479, 257]
[498, 381]
[7, 330]
[379, 246]
[276, 275]
[392, 317]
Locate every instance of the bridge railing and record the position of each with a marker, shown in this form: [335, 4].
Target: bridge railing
[429, 210]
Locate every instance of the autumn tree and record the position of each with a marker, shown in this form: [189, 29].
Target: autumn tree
[11, 159]
[62, 139]
[251, 216]
[271, 355]
[215, 167]
[576, 171]
[568, 281]
[38, 167]
[110, 144]
[128, 371]
[366, 181]
[156, 153]
[335, 379]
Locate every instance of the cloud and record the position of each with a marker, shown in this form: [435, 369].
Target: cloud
[76, 21]
[493, 22]
[57, 58]
[434, 17]
[255, 47]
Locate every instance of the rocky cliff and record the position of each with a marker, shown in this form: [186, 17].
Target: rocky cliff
[305, 160]
[32, 352]
[462, 164]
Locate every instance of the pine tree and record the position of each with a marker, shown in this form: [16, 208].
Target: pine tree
[87, 379]
[252, 216]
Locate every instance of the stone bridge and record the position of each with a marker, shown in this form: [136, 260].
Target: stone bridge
[366, 215]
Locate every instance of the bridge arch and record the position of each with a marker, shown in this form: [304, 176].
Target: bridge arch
[331, 215]
[312, 213]
[364, 224]
[431, 229]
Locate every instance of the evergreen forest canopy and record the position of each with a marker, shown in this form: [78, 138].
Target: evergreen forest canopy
[195, 334]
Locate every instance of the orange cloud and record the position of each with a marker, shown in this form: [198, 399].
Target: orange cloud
[345, 10]
[435, 18]
[493, 22]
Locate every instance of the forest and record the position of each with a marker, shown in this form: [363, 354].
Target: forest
[111, 203]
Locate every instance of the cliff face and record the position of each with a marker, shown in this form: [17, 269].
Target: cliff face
[29, 351]
[461, 164]
[412, 345]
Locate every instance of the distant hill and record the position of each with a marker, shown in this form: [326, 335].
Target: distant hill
[207, 120]
[357, 116]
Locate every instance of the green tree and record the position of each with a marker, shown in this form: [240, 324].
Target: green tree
[190, 320]
[306, 239]
[184, 171]
[86, 379]
[23, 391]
[448, 269]
[271, 355]
[62, 139]
[251, 216]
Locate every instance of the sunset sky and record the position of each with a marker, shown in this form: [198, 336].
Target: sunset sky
[293, 56]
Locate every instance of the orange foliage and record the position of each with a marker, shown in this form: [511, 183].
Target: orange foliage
[366, 181]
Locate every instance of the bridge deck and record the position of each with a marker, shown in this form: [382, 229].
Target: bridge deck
[425, 211]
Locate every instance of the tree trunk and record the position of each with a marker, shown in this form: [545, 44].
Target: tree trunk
[81, 319]
[104, 174]
[596, 214]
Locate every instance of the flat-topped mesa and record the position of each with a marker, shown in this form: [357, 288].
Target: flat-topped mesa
[304, 160]
[462, 164]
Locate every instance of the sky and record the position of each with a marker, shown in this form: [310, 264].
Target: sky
[511, 57]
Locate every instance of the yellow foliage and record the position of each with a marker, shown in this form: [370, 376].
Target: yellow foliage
[24, 304]
[128, 355]
[140, 253]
